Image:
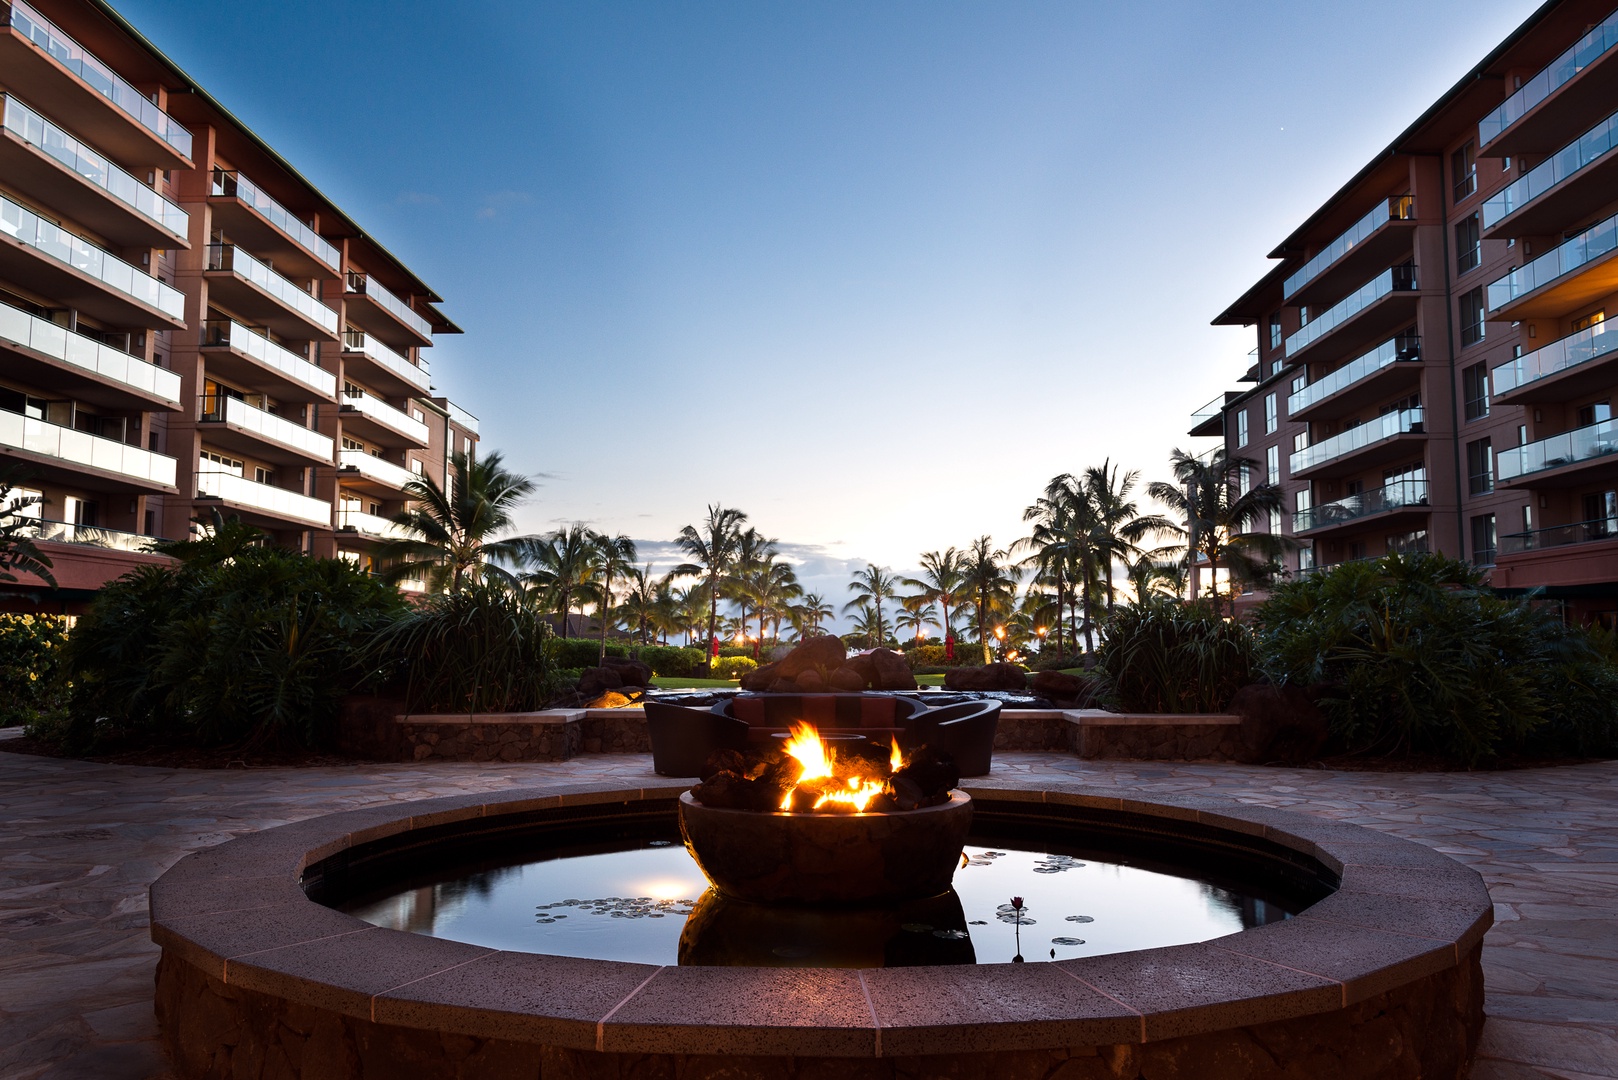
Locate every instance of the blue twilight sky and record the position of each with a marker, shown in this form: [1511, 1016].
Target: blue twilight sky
[871, 272]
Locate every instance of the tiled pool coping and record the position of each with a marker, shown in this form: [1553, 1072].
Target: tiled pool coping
[239, 934]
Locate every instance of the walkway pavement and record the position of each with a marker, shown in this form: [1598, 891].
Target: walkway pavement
[80, 843]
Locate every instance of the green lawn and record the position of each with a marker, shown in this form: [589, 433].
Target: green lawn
[929, 680]
[669, 682]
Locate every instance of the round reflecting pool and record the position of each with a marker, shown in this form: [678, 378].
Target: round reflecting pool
[627, 890]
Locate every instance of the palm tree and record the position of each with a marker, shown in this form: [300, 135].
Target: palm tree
[17, 548]
[1219, 518]
[872, 585]
[614, 557]
[1153, 576]
[713, 554]
[991, 585]
[771, 587]
[869, 623]
[561, 568]
[453, 534]
[641, 602]
[1118, 526]
[918, 615]
[940, 582]
[810, 613]
[1065, 548]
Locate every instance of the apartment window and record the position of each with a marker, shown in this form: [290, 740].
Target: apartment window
[1300, 441]
[1305, 500]
[1479, 467]
[420, 416]
[1241, 428]
[1299, 381]
[227, 463]
[1473, 307]
[1475, 382]
[1244, 480]
[1601, 514]
[1275, 523]
[352, 444]
[1483, 540]
[1306, 559]
[1589, 321]
[1468, 246]
[1410, 543]
[1272, 416]
[1275, 331]
[1272, 465]
[1463, 168]
[1527, 519]
[264, 476]
[1522, 434]
[1595, 413]
[1404, 404]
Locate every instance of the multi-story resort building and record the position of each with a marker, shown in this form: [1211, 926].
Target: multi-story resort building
[186, 324]
[1433, 369]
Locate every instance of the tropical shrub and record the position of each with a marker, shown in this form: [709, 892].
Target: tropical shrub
[671, 660]
[1413, 654]
[30, 658]
[480, 650]
[1167, 657]
[237, 645]
[580, 652]
[967, 654]
[732, 667]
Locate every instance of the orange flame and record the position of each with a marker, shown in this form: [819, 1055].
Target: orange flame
[896, 758]
[818, 761]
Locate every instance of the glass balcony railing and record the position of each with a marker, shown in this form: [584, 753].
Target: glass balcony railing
[232, 258]
[223, 409]
[1400, 208]
[1588, 148]
[101, 78]
[113, 365]
[63, 532]
[1591, 343]
[234, 488]
[1210, 411]
[31, 230]
[1568, 448]
[463, 418]
[1584, 52]
[1591, 244]
[1582, 532]
[371, 525]
[1357, 438]
[40, 133]
[375, 468]
[1388, 497]
[359, 341]
[236, 186]
[1392, 351]
[235, 336]
[81, 448]
[1392, 280]
[386, 415]
[364, 286]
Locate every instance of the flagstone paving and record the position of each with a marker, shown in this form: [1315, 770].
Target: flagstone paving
[81, 842]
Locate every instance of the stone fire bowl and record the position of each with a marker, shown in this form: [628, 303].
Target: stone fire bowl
[834, 859]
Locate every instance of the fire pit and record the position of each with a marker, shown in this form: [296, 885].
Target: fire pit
[821, 823]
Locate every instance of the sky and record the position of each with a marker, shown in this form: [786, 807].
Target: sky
[872, 273]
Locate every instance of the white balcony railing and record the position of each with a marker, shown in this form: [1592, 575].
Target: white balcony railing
[236, 186]
[1592, 343]
[237, 489]
[380, 411]
[1402, 208]
[63, 532]
[364, 286]
[1580, 55]
[1392, 280]
[221, 409]
[1587, 149]
[238, 338]
[30, 230]
[1357, 438]
[463, 418]
[1361, 367]
[113, 365]
[358, 341]
[1570, 447]
[234, 259]
[1596, 242]
[378, 528]
[42, 135]
[374, 468]
[81, 448]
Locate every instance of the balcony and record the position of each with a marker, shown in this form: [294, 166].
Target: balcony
[255, 498]
[1583, 532]
[365, 471]
[1575, 273]
[1583, 455]
[254, 361]
[374, 420]
[1371, 242]
[1382, 439]
[76, 88]
[247, 286]
[1374, 310]
[1210, 419]
[96, 372]
[465, 419]
[1377, 374]
[248, 214]
[76, 272]
[1404, 496]
[1520, 125]
[1566, 187]
[128, 467]
[62, 532]
[1561, 370]
[232, 424]
[371, 526]
[42, 160]
[381, 366]
[376, 309]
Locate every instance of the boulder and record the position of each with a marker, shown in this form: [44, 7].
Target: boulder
[811, 682]
[1060, 686]
[825, 653]
[783, 686]
[597, 680]
[847, 679]
[760, 678]
[1279, 724]
[987, 677]
[892, 672]
[632, 672]
[865, 666]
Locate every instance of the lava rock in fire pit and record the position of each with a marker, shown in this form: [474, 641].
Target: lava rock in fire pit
[925, 780]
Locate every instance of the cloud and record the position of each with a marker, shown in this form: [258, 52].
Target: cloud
[500, 202]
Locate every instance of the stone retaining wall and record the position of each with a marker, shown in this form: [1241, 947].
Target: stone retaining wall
[1094, 734]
